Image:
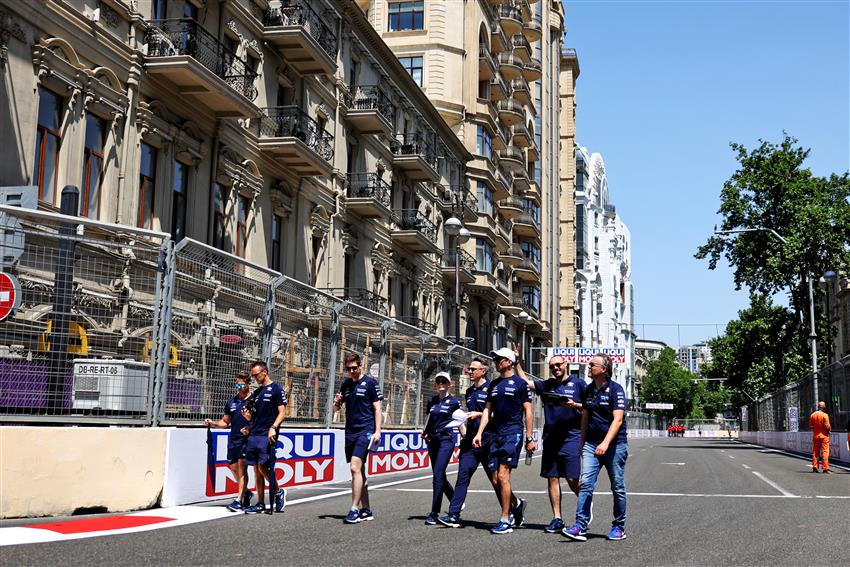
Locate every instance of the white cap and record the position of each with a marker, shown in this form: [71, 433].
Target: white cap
[504, 352]
[445, 375]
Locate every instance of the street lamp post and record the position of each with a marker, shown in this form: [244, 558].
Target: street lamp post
[458, 234]
[524, 318]
[813, 337]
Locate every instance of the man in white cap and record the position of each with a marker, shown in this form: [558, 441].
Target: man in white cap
[508, 399]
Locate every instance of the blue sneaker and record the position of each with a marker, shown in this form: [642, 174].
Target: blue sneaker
[617, 533]
[575, 533]
[431, 519]
[450, 520]
[280, 500]
[258, 508]
[366, 515]
[353, 517]
[235, 506]
[519, 512]
[502, 527]
[556, 525]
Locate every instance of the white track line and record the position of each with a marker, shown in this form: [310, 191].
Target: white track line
[773, 484]
[662, 494]
[747, 467]
[796, 456]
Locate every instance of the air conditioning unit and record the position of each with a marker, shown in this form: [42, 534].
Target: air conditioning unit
[110, 385]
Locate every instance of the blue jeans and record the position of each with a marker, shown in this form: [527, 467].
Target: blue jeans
[614, 461]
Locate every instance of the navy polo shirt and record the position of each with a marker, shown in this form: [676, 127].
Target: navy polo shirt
[233, 409]
[601, 405]
[506, 396]
[266, 400]
[440, 414]
[476, 399]
[561, 423]
[359, 398]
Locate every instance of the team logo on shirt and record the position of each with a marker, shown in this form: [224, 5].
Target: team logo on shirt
[301, 458]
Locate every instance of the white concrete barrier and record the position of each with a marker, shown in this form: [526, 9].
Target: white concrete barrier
[798, 441]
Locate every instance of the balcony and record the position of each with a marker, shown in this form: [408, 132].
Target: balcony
[367, 195]
[306, 41]
[527, 271]
[533, 152]
[521, 92]
[421, 324]
[610, 211]
[533, 191]
[292, 138]
[510, 66]
[503, 231]
[415, 157]
[489, 288]
[512, 256]
[532, 30]
[511, 207]
[182, 52]
[512, 160]
[499, 41]
[520, 183]
[486, 64]
[510, 112]
[510, 19]
[522, 302]
[370, 110]
[360, 296]
[532, 71]
[520, 136]
[499, 90]
[522, 48]
[415, 232]
[524, 9]
[527, 224]
[466, 273]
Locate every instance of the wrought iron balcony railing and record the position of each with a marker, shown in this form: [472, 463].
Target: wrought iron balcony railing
[467, 262]
[509, 105]
[368, 185]
[511, 202]
[360, 296]
[415, 144]
[412, 219]
[510, 12]
[370, 97]
[184, 36]
[518, 41]
[528, 218]
[418, 323]
[291, 121]
[511, 153]
[299, 13]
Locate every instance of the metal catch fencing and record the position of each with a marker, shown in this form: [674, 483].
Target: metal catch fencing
[788, 408]
[120, 325]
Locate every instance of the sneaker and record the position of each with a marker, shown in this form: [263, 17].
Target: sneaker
[366, 515]
[575, 533]
[827, 471]
[556, 525]
[353, 517]
[450, 520]
[257, 508]
[616, 534]
[814, 469]
[247, 500]
[280, 500]
[519, 512]
[431, 519]
[511, 519]
[502, 527]
[235, 506]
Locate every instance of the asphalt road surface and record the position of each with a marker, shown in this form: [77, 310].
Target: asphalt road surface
[691, 502]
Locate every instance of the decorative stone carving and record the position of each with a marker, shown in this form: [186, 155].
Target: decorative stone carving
[231, 25]
[242, 175]
[350, 241]
[9, 28]
[320, 222]
[109, 16]
[281, 199]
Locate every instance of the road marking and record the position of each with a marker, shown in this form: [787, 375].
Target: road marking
[773, 484]
[746, 466]
[730, 456]
[662, 494]
[677, 464]
[796, 456]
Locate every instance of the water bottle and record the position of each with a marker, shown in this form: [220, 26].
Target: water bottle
[528, 455]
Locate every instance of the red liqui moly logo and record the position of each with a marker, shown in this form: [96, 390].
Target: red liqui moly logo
[402, 451]
[301, 458]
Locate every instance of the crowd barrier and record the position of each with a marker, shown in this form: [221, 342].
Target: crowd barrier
[798, 442]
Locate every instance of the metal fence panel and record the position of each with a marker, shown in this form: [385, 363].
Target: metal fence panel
[78, 346]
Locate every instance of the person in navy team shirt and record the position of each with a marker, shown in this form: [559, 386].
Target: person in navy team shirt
[441, 441]
[508, 399]
[237, 440]
[604, 443]
[561, 433]
[269, 401]
[470, 457]
[362, 397]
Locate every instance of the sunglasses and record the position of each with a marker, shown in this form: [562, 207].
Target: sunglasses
[255, 374]
[240, 386]
[592, 364]
[351, 368]
[555, 365]
[441, 381]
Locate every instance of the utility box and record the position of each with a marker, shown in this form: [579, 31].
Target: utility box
[114, 386]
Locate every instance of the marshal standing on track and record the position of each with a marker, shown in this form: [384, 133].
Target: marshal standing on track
[362, 397]
[268, 403]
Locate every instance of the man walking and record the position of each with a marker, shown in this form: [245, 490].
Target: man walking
[561, 432]
[604, 443]
[269, 402]
[508, 400]
[819, 422]
[362, 397]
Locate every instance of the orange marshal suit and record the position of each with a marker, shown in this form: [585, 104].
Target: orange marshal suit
[819, 422]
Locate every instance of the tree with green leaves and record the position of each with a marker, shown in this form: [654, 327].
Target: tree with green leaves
[772, 190]
[667, 382]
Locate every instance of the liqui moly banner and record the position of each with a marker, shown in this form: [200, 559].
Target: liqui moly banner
[583, 355]
[402, 451]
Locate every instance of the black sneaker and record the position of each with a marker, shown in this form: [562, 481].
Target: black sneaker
[519, 512]
[258, 508]
[431, 519]
[280, 500]
[450, 520]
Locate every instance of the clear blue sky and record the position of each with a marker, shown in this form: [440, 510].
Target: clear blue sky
[664, 87]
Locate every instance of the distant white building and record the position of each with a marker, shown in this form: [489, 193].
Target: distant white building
[604, 292]
[693, 357]
[646, 350]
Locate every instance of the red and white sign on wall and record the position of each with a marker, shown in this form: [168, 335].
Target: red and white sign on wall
[10, 295]
[583, 355]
